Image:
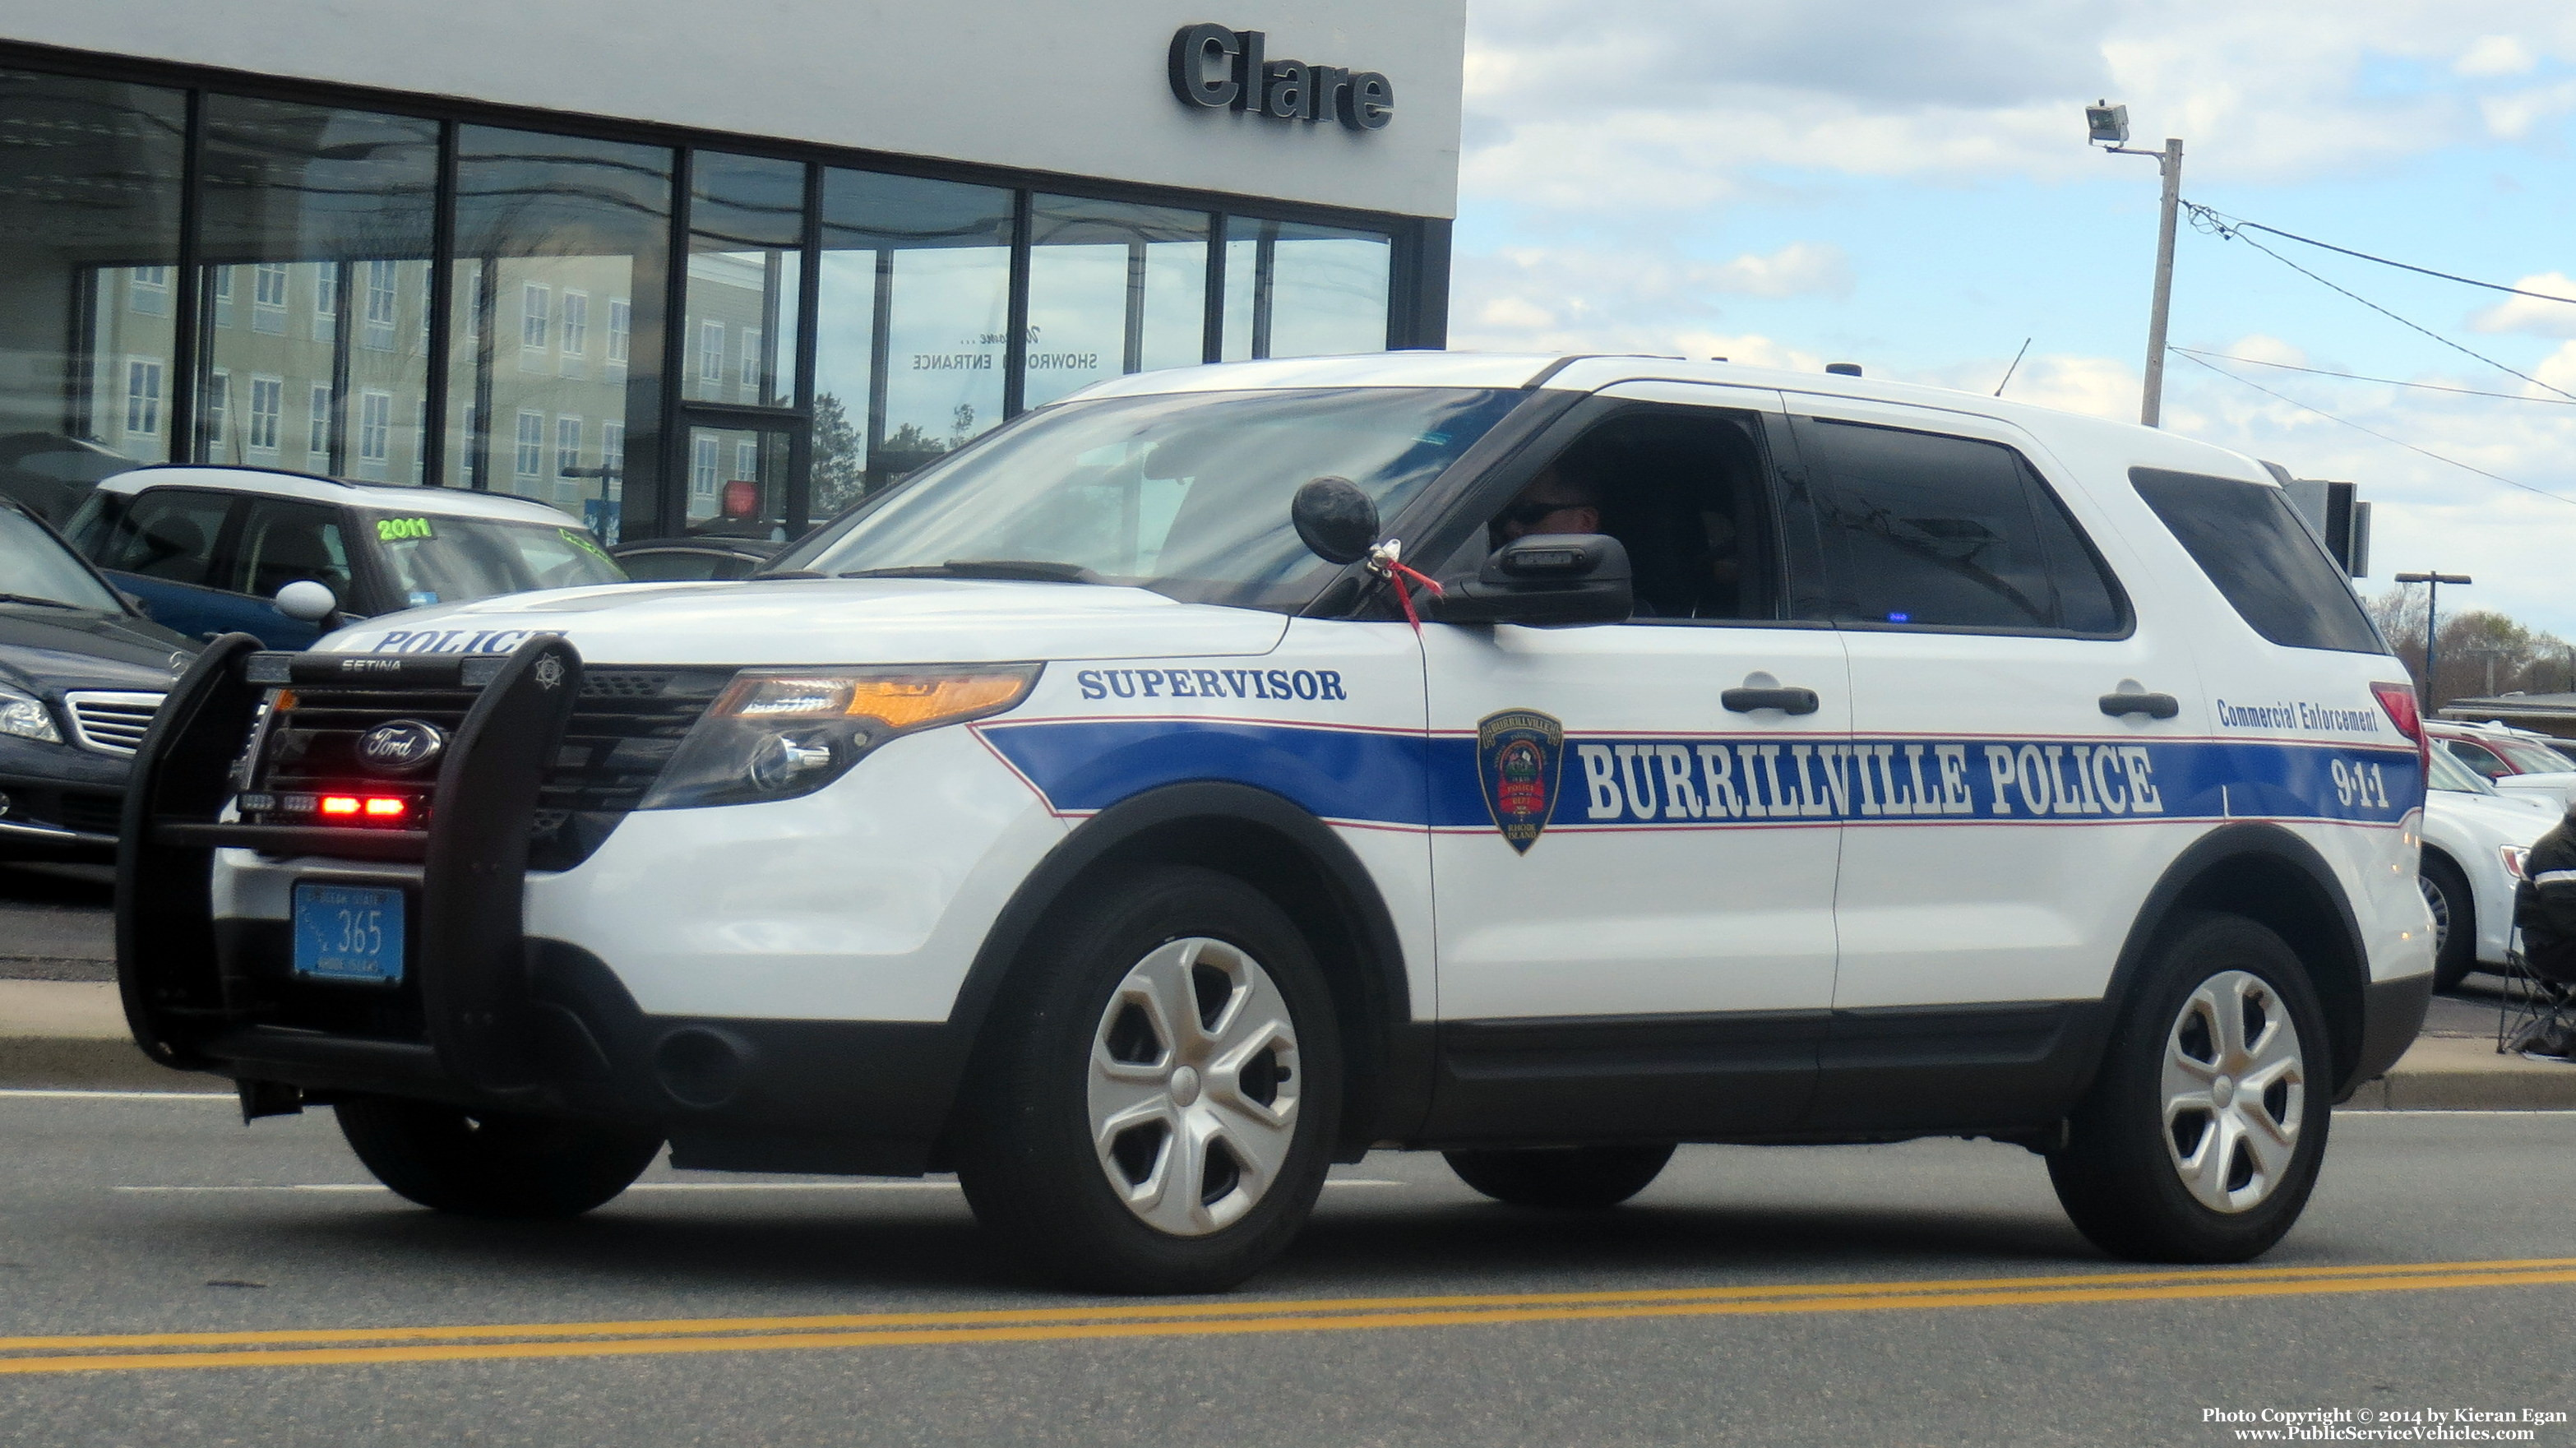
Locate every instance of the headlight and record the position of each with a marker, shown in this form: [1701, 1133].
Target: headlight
[2513, 858]
[25, 716]
[779, 733]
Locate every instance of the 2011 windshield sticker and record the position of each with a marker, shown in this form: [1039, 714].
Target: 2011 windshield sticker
[400, 530]
[1313, 685]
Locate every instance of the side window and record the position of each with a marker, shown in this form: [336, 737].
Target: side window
[2262, 558]
[286, 541]
[170, 533]
[2479, 758]
[1684, 490]
[1948, 532]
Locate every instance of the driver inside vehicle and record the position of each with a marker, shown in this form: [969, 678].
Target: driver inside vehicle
[1561, 499]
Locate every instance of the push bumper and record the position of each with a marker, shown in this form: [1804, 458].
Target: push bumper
[485, 1016]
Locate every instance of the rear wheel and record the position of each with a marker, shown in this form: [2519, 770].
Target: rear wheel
[2455, 920]
[492, 1164]
[1152, 1107]
[2201, 1138]
[1576, 1178]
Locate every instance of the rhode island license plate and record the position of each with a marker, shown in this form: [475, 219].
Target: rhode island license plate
[349, 933]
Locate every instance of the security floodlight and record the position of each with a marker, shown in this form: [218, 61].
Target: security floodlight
[2108, 123]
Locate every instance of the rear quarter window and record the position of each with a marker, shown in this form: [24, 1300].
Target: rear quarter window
[2265, 562]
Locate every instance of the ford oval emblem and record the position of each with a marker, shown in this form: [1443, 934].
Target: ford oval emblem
[400, 746]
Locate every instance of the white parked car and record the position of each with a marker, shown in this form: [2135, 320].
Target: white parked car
[2513, 760]
[1099, 814]
[2474, 839]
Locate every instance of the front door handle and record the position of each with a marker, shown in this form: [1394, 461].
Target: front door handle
[1787, 701]
[2154, 706]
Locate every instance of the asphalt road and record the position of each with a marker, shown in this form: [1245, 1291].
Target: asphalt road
[56, 922]
[1757, 1296]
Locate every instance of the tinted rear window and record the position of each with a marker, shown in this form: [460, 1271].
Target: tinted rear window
[2266, 562]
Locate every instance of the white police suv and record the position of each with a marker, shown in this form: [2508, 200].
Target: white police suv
[1112, 814]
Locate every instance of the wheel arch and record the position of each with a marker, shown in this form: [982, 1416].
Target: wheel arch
[2272, 877]
[1292, 857]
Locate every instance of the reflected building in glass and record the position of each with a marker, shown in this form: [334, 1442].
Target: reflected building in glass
[657, 328]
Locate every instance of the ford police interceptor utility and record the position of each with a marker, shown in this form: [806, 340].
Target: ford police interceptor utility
[1227, 771]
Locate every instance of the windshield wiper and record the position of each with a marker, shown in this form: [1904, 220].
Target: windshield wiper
[1013, 568]
[40, 602]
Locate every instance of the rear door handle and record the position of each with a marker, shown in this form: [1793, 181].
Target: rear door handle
[2154, 706]
[1787, 701]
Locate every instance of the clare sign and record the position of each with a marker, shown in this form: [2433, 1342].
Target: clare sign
[1223, 69]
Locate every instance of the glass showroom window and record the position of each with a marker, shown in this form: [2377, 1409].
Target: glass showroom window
[90, 172]
[375, 433]
[702, 470]
[556, 215]
[612, 447]
[567, 456]
[223, 292]
[1113, 288]
[914, 305]
[1293, 290]
[746, 272]
[310, 195]
[534, 315]
[576, 323]
[621, 329]
[212, 405]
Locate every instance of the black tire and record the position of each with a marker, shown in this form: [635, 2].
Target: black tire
[1025, 1149]
[2121, 1176]
[2455, 920]
[1573, 1178]
[488, 1164]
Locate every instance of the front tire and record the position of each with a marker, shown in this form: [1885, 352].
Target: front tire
[1154, 1101]
[2202, 1136]
[493, 1164]
[1577, 1179]
[2455, 920]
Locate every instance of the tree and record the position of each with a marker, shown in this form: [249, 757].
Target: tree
[839, 476]
[2482, 652]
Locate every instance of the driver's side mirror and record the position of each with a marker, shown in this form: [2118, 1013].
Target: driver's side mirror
[1546, 578]
[307, 601]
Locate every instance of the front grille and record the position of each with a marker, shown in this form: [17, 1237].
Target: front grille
[624, 728]
[111, 723]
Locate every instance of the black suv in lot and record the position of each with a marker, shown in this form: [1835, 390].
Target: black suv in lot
[81, 672]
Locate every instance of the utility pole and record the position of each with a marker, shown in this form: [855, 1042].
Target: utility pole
[2432, 622]
[2110, 123]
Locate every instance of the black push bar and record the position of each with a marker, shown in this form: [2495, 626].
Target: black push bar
[472, 953]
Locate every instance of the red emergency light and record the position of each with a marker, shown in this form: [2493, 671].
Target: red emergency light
[380, 807]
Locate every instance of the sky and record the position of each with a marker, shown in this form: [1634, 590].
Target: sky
[1796, 182]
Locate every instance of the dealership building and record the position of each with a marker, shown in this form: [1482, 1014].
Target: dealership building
[672, 270]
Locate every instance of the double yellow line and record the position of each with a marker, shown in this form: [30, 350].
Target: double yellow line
[313, 1347]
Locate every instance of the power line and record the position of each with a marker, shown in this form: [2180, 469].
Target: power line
[2210, 221]
[2383, 437]
[2241, 224]
[2385, 381]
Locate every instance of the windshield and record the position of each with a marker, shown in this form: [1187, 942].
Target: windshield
[1183, 493]
[2527, 756]
[33, 564]
[437, 559]
[2451, 774]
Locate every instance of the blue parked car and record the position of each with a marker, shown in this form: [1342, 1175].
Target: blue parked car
[207, 549]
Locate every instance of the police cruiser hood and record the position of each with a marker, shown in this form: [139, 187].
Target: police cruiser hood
[828, 621]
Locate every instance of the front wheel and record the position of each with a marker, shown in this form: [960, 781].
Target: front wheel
[2455, 920]
[1153, 1105]
[1574, 1178]
[493, 1164]
[2201, 1138]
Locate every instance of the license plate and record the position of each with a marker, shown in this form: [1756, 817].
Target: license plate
[349, 933]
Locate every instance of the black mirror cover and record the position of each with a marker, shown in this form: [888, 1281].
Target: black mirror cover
[1546, 578]
[1335, 519]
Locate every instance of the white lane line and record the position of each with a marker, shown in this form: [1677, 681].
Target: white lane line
[893, 1186]
[122, 1095]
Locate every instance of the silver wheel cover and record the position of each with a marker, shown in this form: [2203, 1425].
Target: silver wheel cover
[2235, 1091]
[1194, 1086]
[2440, 904]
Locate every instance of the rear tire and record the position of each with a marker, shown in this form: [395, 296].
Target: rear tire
[1155, 1098]
[2455, 920]
[491, 1164]
[2202, 1135]
[1576, 1178]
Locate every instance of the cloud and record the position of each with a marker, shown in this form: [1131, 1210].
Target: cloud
[2531, 316]
[1645, 104]
[1582, 300]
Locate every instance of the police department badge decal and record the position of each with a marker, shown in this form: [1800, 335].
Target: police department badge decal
[1518, 755]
